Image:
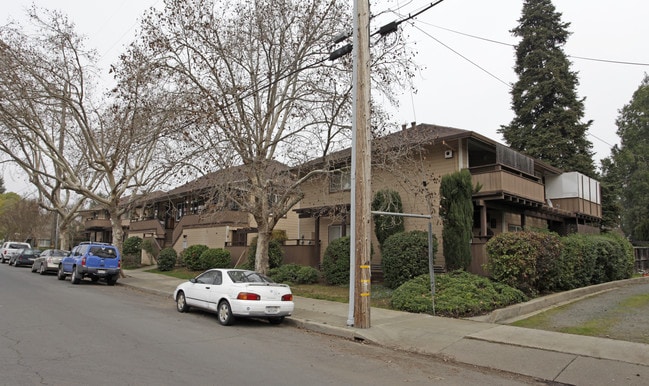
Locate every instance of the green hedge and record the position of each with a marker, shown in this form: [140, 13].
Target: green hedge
[191, 255]
[294, 274]
[542, 262]
[405, 256]
[457, 294]
[335, 263]
[215, 258]
[167, 259]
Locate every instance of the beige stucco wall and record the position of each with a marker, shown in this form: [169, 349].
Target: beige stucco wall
[408, 179]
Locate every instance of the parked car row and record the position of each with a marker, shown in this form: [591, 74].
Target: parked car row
[230, 293]
[88, 259]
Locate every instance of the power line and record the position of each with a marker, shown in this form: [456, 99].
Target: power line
[514, 46]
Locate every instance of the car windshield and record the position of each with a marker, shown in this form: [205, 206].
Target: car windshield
[57, 252]
[17, 246]
[27, 252]
[248, 277]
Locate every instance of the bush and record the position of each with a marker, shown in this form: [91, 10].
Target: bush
[132, 246]
[577, 253]
[294, 274]
[191, 255]
[526, 260]
[457, 294]
[405, 256]
[131, 252]
[335, 262]
[215, 258]
[167, 259]
[275, 253]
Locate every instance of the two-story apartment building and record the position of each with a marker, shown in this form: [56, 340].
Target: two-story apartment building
[515, 192]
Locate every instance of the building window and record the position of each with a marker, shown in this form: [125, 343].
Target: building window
[514, 228]
[340, 180]
[335, 232]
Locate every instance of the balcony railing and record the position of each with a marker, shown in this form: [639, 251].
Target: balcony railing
[498, 179]
[97, 223]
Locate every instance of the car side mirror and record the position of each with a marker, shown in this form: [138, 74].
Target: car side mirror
[193, 280]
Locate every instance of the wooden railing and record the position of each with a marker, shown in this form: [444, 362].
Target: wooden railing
[497, 179]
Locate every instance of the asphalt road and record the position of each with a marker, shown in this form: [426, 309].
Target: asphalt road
[56, 333]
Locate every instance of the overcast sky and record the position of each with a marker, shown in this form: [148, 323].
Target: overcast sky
[466, 51]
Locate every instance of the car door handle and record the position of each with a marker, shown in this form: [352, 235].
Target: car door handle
[207, 287]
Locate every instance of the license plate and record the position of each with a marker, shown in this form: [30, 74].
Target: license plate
[101, 271]
[272, 309]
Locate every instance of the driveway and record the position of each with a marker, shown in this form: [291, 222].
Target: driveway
[619, 313]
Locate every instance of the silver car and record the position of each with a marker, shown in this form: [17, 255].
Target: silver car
[48, 261]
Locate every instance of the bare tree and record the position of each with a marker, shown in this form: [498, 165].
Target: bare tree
[259, 84]
[106, 149]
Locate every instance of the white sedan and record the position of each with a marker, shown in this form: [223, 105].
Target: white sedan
[233, 293]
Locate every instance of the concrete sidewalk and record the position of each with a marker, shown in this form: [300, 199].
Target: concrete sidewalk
[549, 356]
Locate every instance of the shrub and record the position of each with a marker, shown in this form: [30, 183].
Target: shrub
[335, 262]
[275, 253]
[405, 256]
[525, 260]
[294, 274]
[191, 256]
[578, 254]
[131, 252]
[457, 294]
[132, 246]
[147, 245]
[215, 258]
[167, 259]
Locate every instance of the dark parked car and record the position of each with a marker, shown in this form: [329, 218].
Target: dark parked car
[49, 261]
[24, 257]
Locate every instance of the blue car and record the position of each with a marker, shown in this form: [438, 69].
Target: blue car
[91, 259]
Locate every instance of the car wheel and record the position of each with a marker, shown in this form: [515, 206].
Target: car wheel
[60, 274]
[42, 269]
[181, 302]
[276, 320]
[225, 313]
[75, 278]
[111, 280]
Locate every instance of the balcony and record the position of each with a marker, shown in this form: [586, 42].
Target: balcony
[97, 223]
[149, 226]
[498, 181]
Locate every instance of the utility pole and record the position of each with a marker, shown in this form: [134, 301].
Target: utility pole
[361, 168]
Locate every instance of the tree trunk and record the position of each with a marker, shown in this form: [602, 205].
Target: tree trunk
[118, 235]
[261, 255]
[64, 240]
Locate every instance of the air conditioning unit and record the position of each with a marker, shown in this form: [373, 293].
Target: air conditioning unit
[448, 154]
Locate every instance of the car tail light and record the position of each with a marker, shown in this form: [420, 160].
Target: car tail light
[287, 298]
[119, 263]
[83, 261]
[248, 296]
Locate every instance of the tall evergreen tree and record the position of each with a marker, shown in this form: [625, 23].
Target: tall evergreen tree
[548, 114]
[627, 170]
[456, 210]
